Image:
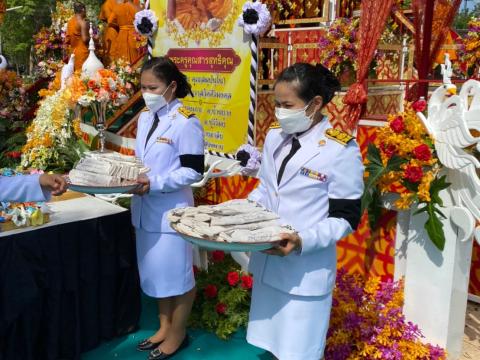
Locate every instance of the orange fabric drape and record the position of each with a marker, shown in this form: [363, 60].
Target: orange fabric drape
[75, 42]
[125, 46]
[372, 22]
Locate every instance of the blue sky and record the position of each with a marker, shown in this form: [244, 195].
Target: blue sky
[470, 4]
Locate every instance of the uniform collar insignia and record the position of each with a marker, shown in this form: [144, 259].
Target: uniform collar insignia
[339, 136]
[275, 125]
[185, 112]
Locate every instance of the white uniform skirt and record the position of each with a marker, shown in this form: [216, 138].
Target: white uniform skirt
[291, 327]
[165, 264]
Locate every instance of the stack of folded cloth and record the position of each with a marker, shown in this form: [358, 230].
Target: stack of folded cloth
[231, 221]
[106, 169]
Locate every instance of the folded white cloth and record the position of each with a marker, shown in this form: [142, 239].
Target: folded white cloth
[232, 221]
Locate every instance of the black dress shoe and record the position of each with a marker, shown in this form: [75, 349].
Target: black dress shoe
[147, 345]
[157, 354]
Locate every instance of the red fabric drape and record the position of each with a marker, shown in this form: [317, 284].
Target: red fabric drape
[372, 22]
[432, 31]
[3, 9]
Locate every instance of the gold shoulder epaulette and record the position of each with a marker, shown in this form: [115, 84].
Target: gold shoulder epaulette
[339, 136]
[185, 112]
[275, 125]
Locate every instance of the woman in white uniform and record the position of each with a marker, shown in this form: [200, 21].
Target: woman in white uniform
[170, 143]
[312, 176]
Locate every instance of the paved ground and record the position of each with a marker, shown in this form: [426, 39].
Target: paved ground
[471, 341]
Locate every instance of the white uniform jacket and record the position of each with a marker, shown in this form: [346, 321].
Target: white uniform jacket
[175, 156]
[319, 195]
[22, 189]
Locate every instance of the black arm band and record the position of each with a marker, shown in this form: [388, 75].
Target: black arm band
[195, 162]
[345, 209]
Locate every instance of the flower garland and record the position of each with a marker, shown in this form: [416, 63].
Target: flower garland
[338, 48]
[367, 322]
[470, 49]
[255, 18]
[105, 90]
[13, 105]
[22, 214]
[12, 96]
[127, 75]
[48, 44]
[63, 13]
[223, 296]
[49, 68]
[54, 137]
[146, 22]
[402, 160]
[202, 32]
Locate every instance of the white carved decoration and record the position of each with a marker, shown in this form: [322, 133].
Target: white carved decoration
[3, 62]
[68, 70]
[436, 282]
[92, 64]
[449, 121]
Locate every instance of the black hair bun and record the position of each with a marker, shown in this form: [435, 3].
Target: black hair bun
[313, 80]
[330, 81]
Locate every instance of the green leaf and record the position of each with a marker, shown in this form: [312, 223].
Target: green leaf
[375, 166]
[373, 155]
[394, 163]
[436, 187]
[367, 199]
[374, 210]
[434, 229]
[413, 187]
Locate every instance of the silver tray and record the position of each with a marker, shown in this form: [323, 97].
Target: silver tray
[227, 246]
[103, 189]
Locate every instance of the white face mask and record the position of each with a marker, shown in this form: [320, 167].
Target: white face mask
[294, 121]
[155, 102]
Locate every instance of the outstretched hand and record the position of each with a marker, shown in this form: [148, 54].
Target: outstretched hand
[143, 187]
[289, 243]
[54, 183]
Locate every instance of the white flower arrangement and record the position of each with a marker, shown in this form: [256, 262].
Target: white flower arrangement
[146, 22]
[255, 18]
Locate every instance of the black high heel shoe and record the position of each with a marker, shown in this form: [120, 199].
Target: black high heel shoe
[147, 345]
[157, 354]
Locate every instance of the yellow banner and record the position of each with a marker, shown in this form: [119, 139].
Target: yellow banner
[202, 37]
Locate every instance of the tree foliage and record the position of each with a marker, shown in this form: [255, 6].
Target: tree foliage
[464, 16]
[20, 25]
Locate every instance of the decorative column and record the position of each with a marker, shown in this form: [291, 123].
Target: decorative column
[436, 282]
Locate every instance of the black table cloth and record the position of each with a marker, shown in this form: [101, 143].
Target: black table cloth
[64, 289]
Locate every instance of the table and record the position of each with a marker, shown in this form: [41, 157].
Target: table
[68, 285]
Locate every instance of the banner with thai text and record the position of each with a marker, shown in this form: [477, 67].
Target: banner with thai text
[202, 37]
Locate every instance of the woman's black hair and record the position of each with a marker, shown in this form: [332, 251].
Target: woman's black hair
[166, 71]
[313, 80]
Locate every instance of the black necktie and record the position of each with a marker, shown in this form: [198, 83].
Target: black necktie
[295, 146]
[156, 120]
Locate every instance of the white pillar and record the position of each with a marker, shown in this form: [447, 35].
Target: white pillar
[401, 244]
[436, 282]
